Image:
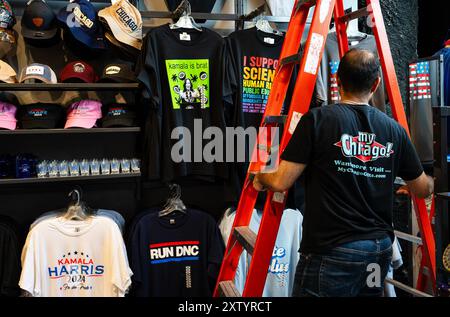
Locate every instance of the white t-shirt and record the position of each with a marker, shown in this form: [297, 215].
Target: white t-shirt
[63, 258]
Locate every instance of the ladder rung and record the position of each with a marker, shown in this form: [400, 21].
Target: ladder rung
[408, 237]
[296, 58]
[354, 15]
[407, 288]
[246, 237]
[227, 289]
[275, 119]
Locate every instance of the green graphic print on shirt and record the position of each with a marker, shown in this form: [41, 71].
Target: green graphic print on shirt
[189, 83]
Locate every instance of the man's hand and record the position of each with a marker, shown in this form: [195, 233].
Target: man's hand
[257, 184]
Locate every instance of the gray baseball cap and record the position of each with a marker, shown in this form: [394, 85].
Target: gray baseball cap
[38, 71]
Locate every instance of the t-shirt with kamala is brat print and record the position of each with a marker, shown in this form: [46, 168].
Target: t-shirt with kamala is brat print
[181, 71]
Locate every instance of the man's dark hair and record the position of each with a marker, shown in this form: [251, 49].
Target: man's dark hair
[358, 71]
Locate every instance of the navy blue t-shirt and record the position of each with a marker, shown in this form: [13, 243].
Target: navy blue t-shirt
[175, 256]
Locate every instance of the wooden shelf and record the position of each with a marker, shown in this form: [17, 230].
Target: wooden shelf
[69, 87]
[70, 131]
[20, 181]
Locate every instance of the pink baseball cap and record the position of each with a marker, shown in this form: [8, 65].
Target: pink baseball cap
[83, 114]
[7, 116]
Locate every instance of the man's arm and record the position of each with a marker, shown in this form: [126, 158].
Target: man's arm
[281, 180]
[421, 187]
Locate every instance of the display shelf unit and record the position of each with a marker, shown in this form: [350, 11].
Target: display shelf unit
[70, 87]
[35, 180]
[70, 131]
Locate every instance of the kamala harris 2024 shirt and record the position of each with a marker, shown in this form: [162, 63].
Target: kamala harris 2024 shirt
[181, 71]
[353, 154]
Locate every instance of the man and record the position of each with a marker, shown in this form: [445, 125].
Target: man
[351, 154]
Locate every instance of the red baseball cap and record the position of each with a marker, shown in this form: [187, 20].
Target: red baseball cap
[78, 71]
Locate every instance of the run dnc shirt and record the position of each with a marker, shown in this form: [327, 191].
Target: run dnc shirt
[353, 154]
[175, 256]
[64, 258]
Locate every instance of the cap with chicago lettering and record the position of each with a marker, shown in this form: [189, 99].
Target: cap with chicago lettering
[125, 22]
[118, 73]
[38, 72]
[38, 21]
[40, 116]
[80, 18]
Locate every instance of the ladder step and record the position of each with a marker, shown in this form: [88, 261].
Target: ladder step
[275, 119]
[227, 289]
[354, 15]
[407, 288]
[408, 237]
[444, 196]
[246, 237]
[296, 58]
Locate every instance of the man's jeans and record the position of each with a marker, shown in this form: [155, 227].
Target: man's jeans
[353, 269]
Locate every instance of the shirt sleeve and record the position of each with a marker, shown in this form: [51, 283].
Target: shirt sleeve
[122, 273]
[216, 249]
[410, 165]
[300, 147]
[30, 276]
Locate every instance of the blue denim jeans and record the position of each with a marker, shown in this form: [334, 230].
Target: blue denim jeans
[353, 269]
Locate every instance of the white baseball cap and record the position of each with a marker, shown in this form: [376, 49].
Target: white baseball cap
[125, 22]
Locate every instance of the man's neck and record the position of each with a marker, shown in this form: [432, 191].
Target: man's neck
[354, 100]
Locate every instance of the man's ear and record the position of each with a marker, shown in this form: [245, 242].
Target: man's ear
[375, 85]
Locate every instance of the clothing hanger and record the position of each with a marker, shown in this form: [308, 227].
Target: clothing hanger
[263, 25]
[77, 209]
[186, 21]
[174, 202]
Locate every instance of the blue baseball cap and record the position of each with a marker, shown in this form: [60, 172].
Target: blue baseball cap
[81, 18]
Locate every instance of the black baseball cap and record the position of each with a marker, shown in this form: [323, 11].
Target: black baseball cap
[118, 115]
[40, 116]
[38, 21]
[118, 73]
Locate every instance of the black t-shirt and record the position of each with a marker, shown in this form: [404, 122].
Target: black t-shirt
[9, 258]
[253, 57]
[175, 256]
[353, 155]
[182, 76]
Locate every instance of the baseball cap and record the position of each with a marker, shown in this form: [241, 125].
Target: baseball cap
[78, 71]
[40, 116]
[124, 51]
[7, 41]
[7, 116]
[80, 17]
[118, 73]
[125, 22]
[7, 17]
[38, 21]
[83, 114]
[119, 115]
[39, 72]
[7, 73]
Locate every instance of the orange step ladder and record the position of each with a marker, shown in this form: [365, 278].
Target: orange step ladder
[261, 245]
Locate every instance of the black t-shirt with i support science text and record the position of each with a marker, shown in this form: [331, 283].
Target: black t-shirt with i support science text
[181, 72]
[353, 154]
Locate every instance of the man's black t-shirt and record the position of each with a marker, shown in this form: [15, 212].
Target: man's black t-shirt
[181, 72]
[175, 256]
[353, 154]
